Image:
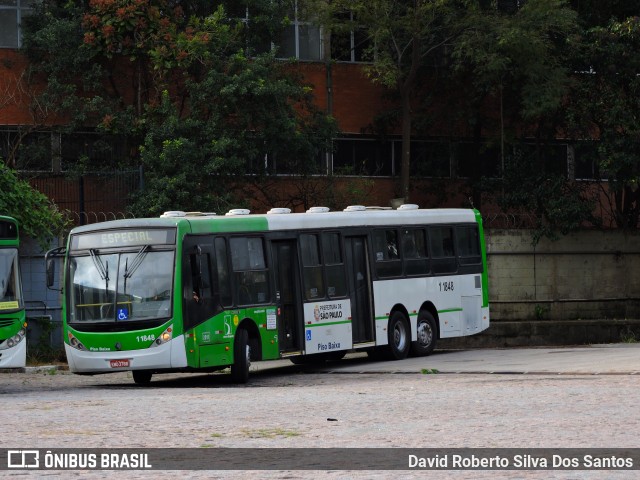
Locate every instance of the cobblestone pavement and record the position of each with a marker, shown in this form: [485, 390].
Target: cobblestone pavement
[289, 407]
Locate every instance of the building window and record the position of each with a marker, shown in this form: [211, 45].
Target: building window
[553, 158]
[585, 161]
[428, 159]
[367, 156]
[477, 160]
[301, 40]
[12, 13]
[350, 44]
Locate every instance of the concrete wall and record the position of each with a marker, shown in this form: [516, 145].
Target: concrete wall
[587, 275]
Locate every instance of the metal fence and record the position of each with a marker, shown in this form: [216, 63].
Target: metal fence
[91, 197]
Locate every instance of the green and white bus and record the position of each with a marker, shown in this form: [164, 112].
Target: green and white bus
[13, 323]
[196, 291]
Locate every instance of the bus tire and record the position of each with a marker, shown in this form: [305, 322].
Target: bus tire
[427, 335]
[399, 336]
[141, 377]
[241, 357]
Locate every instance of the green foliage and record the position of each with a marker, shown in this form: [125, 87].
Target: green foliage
[606, 105]
[41, 351]
[198, 162]
[37, 216]
[521, 56]
[560, 205]
[201, 112]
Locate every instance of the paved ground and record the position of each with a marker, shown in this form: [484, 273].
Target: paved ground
[579, 397]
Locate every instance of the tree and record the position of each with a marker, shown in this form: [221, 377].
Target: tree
[37, 216]
[606, 107]
[184, 82]
[518, 63]
[261, 115]
[402, 36]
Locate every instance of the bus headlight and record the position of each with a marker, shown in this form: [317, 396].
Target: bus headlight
[163, 338]
[75, 343]
[13, 340]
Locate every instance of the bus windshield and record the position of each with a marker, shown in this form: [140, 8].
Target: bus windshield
[120, 287]
[10, 292]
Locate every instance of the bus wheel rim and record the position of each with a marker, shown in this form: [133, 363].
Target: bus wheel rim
[425, 334]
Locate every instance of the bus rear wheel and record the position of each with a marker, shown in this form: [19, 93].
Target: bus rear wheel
[141, 377]
[241, 357]
[399, 337]
[426, 335]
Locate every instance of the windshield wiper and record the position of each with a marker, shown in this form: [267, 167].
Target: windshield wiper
[102, 269]
[137, 261]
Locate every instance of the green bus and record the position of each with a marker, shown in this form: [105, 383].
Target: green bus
[203, 292]
[13, 323]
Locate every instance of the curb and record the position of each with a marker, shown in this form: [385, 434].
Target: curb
[38, 369]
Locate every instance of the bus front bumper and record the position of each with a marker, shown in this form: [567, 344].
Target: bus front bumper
[15, 357]
[169, 355]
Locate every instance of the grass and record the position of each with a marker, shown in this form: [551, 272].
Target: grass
[38, 356]
[270, 433]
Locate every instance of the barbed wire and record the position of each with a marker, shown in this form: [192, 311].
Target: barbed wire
[511, 220]
[85, 218]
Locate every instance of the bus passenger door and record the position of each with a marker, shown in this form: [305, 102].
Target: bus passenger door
[285, 262]
[359, 285]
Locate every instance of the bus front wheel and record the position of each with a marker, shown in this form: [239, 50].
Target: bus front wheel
[241, 357]
[141, 377]
[426, 335]
[399, 337]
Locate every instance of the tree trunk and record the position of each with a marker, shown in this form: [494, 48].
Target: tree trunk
[406, 146]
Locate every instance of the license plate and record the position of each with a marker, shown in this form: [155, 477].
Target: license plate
[119, 363]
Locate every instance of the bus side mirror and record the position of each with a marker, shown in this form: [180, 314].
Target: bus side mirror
[50, 264]
[51, 272]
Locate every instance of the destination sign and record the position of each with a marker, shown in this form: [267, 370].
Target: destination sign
[123, 238]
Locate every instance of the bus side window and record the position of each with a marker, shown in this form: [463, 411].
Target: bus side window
[442, 250]
[468, 245]
[385, 248]
[198, 297]
[222, 271]
[311, 266]
[334, 265]
[249, 270]
[414, 251]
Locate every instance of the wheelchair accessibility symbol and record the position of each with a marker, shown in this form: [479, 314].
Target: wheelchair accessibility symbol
[123, 314]
[308, 335]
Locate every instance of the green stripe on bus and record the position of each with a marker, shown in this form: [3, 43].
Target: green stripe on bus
[485, 271]
[325, 324]
[448, 310]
